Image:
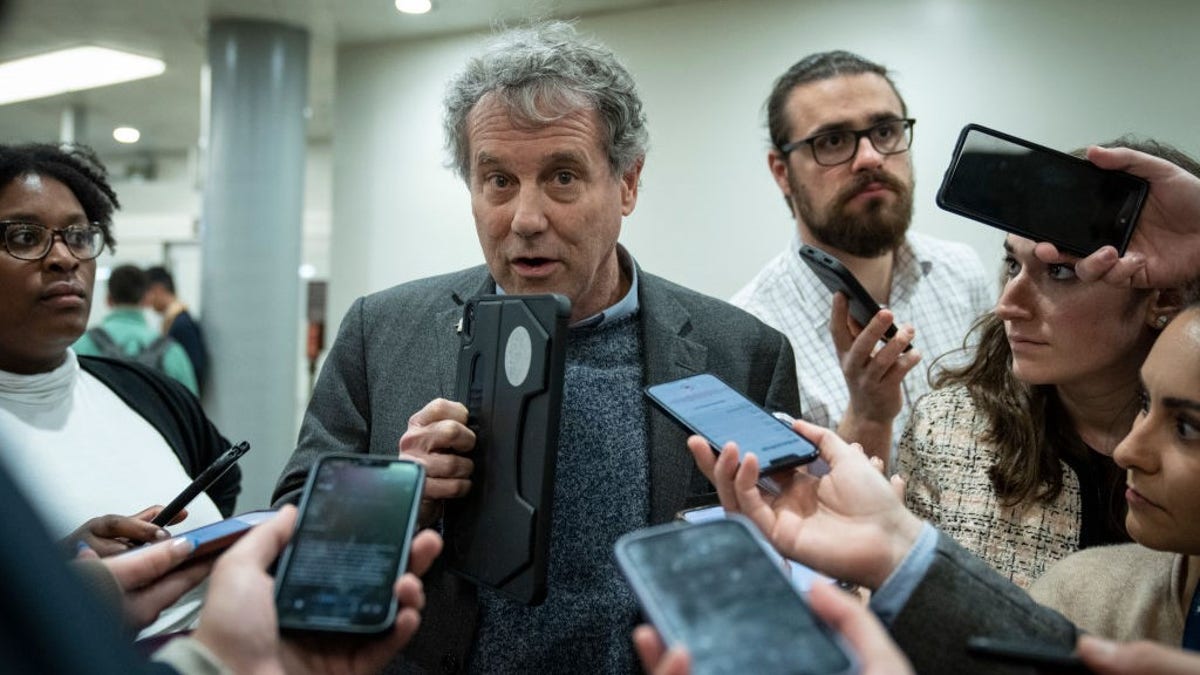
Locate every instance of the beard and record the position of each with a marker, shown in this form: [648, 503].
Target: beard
[878, 229]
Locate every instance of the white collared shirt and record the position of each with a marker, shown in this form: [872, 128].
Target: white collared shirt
[937, 286]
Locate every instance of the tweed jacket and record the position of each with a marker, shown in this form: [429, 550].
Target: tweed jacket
[396, 351]
[945, 459]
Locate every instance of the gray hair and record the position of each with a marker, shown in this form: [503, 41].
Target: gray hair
[541, 74]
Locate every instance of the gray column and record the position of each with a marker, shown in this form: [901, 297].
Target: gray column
[250, 234]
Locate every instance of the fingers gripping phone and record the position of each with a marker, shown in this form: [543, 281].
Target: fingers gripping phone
[834, 275]
[1040, 193]
[351, 542]
[202, 482]
[714, 588]
[711, 408]
[218, 536]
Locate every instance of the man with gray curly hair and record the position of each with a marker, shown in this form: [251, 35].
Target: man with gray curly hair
[547, 131]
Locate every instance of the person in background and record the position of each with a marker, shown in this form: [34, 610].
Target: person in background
[124, 333]
[1011, 454]
[177, 322]
[840, 140]
[546, 130]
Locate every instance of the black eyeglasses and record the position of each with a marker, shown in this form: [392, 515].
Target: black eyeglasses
[32, 241]
[838, 147]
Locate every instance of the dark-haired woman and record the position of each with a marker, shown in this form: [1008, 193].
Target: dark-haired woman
[85, 436]
[1011, 455]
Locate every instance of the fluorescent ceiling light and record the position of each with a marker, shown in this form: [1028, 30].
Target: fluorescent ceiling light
[414, 6]
[71, 70]
[126, 135]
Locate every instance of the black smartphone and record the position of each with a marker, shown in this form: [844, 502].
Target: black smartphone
[1040, 193]
[1051, 658]
[715, 588]
[351, 541]
[202, 482]
[707, 406]
[216, 537]
[837, 279]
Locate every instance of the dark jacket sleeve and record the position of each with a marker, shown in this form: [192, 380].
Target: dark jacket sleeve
[961, 597]
[338, 416]
[171, 409]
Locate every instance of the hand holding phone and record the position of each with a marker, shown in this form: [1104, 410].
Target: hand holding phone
[216, 537]
[834, 275]
[351, 542]
[709, 407]
[714, 588]
[1040, 193]
[202, 482]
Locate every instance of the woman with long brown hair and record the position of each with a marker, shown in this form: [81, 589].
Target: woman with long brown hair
[1011, 454]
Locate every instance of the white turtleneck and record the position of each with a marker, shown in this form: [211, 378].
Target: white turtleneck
[79, 451]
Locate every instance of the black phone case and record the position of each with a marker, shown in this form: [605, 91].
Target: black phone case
[510, 377]
[946, 199]
[834, 275]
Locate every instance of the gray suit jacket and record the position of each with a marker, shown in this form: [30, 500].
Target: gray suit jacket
[961, 596]
[397, 349]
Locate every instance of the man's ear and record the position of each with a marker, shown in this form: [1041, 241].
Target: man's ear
[778, 164]
[631, 180]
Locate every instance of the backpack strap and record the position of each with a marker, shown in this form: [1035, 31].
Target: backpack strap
[105, 343]
[155, 352]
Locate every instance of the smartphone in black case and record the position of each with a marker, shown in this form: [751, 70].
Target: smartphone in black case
[1040, 193]
[351, 542]
[511, 360]
[835, 277]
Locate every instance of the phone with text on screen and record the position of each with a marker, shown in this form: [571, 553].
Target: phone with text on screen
[709, 407]
[356, 522]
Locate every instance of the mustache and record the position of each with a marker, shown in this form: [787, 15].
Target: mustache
[862, 180]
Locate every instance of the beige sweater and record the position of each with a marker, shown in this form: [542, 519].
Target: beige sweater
[945, 461]
[1124, 592]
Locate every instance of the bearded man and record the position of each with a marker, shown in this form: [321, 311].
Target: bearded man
[840, 136]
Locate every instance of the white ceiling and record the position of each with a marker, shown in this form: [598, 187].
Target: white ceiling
[167, 108]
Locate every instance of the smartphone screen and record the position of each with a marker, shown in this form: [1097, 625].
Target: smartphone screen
[1040, 193]
[714, 588]
[709, 407]
[351, 542]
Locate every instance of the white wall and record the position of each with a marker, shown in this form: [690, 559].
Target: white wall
[1060, 72]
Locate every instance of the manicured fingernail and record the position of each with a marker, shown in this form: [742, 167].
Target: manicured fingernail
[81, 546]
[182, 543]
[160, 535]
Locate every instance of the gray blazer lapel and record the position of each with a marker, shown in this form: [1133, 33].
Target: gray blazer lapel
[668, 356]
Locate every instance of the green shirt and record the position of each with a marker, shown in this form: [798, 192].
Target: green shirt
[129, 329]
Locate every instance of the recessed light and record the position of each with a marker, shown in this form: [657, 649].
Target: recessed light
[72, 70]
[414, 6]
[126, 135]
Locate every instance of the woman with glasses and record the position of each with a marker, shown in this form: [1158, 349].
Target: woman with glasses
[1011, 455]
[85, 436]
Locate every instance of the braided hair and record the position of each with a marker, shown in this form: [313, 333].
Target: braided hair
[75, 166]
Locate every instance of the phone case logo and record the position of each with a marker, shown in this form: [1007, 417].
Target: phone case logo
[518, 355]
